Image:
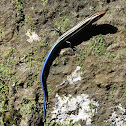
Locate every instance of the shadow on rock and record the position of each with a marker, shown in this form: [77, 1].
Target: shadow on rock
[91, 31]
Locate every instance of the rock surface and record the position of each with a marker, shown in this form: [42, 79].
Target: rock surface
[100, 52]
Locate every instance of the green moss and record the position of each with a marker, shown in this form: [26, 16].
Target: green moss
[18, 4]
[32, 8]
[56, 61]
[11, 117]
[29, 21]
[112, 91]
[81, 54]
[32, 78]
[48, 87]
[111, 55]
[98, 45]
[7, 78]
[92, 106]
[20, 17]
[44, 43]
[28, 106]
[44, 2]
[54, 123]
[106, 124]
[25, 101]
[124, 92]
[61, 24]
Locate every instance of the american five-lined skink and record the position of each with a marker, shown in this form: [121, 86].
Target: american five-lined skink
[67, 35]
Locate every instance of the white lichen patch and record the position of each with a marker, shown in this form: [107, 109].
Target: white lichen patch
[32, 36]
[74, 108]
[75, 76]
[118, 119]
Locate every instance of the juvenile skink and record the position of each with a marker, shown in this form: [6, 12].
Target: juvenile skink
[67, 35]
